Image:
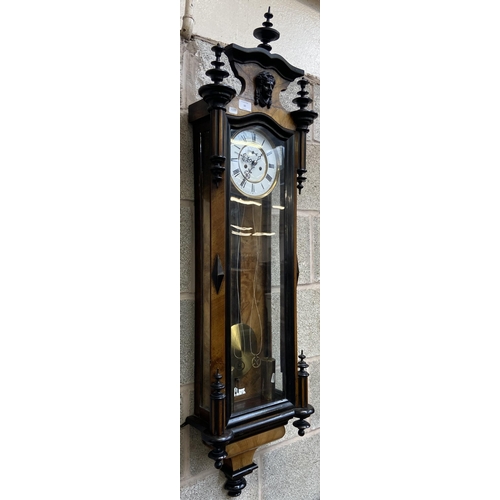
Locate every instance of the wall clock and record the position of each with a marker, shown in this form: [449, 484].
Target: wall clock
[249, 166]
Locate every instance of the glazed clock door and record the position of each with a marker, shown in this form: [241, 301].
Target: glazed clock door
[259, 203]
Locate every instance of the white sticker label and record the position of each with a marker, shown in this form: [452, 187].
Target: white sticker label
[246, 105]
[232, 110]
[239, 392]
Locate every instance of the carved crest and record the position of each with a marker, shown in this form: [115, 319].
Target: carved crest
[264, 85]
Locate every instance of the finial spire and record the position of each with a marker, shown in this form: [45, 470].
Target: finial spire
[267, 33]
[302, 101]
[216, 73]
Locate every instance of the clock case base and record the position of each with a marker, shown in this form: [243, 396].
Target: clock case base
[240, 452]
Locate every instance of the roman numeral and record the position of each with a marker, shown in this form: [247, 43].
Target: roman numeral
[254, 137]
[269, 178]
[243, 137]
[243, 182]
[271, 165]
[270, 152]
[253, 188]
[236, 172]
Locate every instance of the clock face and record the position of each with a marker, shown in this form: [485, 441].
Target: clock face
[254, 162]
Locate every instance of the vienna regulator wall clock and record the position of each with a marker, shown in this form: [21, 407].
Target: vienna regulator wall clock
[249, 161]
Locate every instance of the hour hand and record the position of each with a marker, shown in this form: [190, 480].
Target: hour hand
[254, 162]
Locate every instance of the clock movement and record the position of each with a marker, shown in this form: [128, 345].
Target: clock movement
[249, 168]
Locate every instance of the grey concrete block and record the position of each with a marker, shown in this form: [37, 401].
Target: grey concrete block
[183, 46]
[186, 159]
[198, 453]
[292, 471]
[186, 406]
[186, 402]
[211, 487]
[308, 321]
[186, 280]
[193, 74]
[187, 341]
[287, 97]
[314, 392]
[304, 249]
[316, 245]
[316, 107]
[182, 456]
[309, 198]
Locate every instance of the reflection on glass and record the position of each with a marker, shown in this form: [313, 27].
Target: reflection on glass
[256, 242]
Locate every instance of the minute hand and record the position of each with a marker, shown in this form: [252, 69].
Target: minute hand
[254, 162]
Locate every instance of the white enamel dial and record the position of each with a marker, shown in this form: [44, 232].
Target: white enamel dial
[254, 163]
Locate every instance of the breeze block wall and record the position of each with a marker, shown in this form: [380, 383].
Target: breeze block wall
[290, 467]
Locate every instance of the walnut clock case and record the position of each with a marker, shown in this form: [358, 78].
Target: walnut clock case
[249, 166]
